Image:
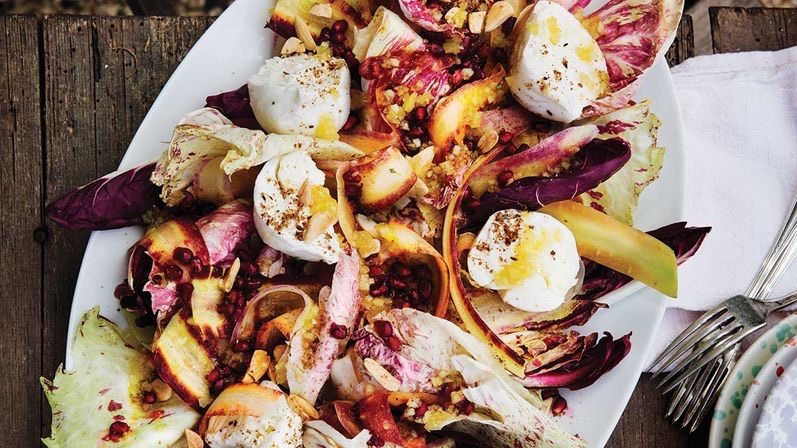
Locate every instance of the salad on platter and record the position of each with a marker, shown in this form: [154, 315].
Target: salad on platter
[387, 238]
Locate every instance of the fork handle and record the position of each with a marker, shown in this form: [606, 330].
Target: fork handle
[781, 303]
[780, 256]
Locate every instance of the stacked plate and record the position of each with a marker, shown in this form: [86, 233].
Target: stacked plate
[756, 407]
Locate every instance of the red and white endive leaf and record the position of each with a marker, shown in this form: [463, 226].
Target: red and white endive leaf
[426, 17]
[632, 34]
[313, 345]
[225, 230]
[386, 33]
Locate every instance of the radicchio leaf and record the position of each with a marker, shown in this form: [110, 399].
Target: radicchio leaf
[586, 368]
[235, 106]
[684, 241]
[113, 201]
[593, 164]
[225, 230]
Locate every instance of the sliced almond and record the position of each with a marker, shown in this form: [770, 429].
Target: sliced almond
[381, 375]
[304, 34]
[318, 224]
[476, 21]
[232, 272]
[487, 141]
[499, 12]
[257, 366]
[521, 19]
[293, 45]
[193, 439]
[305, 193]
[162, 390]
[367, 224]
[322, 10]
[302, 407]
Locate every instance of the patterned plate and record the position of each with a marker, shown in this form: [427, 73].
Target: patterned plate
[753, 402]
[777, 427]
[726, 410]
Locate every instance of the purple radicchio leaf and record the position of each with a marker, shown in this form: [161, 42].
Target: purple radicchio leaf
[113, 201]
[684, 241]
[235, 106]
[586, 368]
[225, 230]
[597, 161]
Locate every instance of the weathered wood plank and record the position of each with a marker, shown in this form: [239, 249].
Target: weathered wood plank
[101, 76]
[20, 213]
[683, 47]
[752, 29]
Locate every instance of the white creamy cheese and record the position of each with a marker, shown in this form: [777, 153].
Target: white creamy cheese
[529, 258]
[280, 217]
[301, 94]
[556, 68]
[279, 428]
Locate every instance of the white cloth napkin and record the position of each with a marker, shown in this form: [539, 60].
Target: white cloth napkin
[740, 126]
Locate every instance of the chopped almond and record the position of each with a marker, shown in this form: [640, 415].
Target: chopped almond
[162, 390]
[193, 439]
[487, 141]
[498, 14]
[293, 45]
[322, 10]
[302, 407]
[304, 34]
[476, 21]
[229, 277]
[381, 375]
[257, 366]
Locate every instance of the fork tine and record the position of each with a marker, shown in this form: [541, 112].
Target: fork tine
[704, 334]
[715, 387]
[681, 339]
[677, 398]
[690, 387]
[699, 350]
[708, 374]
[718, 350]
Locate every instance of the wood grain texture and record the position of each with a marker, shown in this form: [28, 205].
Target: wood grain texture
[752, 29]
[20, 213]
[101, 75]
[683, 47]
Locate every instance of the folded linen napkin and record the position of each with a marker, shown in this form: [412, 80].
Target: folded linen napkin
[740, 127]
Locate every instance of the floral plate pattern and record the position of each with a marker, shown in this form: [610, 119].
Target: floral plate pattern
[726, 411]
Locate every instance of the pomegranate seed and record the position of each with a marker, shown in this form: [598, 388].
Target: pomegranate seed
[213, 376]
[148, 397]
[422, 271]
[338, 331]
[393, 342]
[396, 283]
[445, 390]
[173, 272]
[249, 268]
[157, 279]
[338, 38]
[123, 290]
[415, 132]
[383, 328]
[218, 386]
[197, 267]
[510, 148]
[325, 35]
[483, 51]
[507, 26]
[400, 269]
[183, 254]
[456, 78]
[241, 346]
[421, 409]
[505, 137]
[352, 176]
[465, 407]
[377, 291]
[376, 441]
[369, 70]
[217, 271]
[351, 122]
[505, 178]
[340, 26]
[558, 406]
[129, 302]
[472, 204]
[425, 289]
[185, 290]
[117, 430]
[436, 50]
[376, 271]
[353, 190]
[420, 113]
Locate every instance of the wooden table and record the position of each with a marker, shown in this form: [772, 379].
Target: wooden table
[72, 93]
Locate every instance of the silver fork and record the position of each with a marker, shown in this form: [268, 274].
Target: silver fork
[720, 329]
